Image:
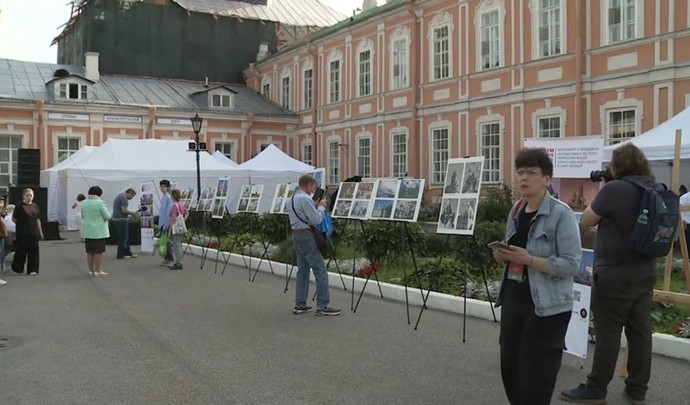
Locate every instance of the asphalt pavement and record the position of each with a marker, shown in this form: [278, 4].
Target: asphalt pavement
[147, 335]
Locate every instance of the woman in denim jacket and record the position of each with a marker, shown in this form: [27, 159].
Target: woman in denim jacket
[537, 291]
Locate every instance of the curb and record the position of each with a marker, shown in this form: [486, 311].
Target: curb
[663, 344]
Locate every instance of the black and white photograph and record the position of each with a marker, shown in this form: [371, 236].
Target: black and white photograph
[387, 188]
[347, 190]
[242, 206]
[359, 209]
[218, 209]
[364, 190]
[449, 210]
[454, 178]
[246, 191]
[405, 210]
[472, 177]
[257, 189]
[207, 193]
[467, 210]
[342, 208]
[411, 188]
[383, 209]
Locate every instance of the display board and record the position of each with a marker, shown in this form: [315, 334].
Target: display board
[146, 216]
[206, 200]
[572, 157]
[187, 197]
[354, 200]
[250, 198]
[460, 196]
[220, 197]
[380, 199]
[284, 192]
[577, 335]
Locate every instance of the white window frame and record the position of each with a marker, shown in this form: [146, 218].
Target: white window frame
[233, 148]
[307, 159]
[620, 105]
[13, 154]
[307, 90]
[286, 89]
[404, 156]
[62, 90]
[400, 57]
[364, 161]
[484, 8]
[439, 21]
[68, 150]
[364, 70]
[222, 96]
[335, 87]
[536, 8]
[548, 133]
[548, 112]
[481, 122]
[605, 27]
[266, 87]
[333, 166]
[433, 128]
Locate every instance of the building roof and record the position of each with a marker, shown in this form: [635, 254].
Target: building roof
[26, 81]
[301, 13]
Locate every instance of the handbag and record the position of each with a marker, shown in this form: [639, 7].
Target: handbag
[179, 227]
[319, 238]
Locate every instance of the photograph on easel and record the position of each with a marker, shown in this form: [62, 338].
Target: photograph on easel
[397, 199]
[318, 175]
[279, 198]
[354, 200]
[206, 201]
[218, 209]
[460, 196]
[222, 188]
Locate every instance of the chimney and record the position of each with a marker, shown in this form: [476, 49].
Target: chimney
[263, 51]
[91, 66]
[368, 5]
[206, 81]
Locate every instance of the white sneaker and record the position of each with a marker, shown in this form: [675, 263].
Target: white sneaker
[3, 282]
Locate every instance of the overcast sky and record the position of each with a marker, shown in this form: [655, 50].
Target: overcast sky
[27, 27]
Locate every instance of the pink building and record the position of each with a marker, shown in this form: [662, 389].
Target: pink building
[399, 89]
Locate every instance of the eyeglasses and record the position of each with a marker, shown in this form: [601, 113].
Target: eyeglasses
[528, 172]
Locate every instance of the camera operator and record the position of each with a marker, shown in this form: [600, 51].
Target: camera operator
[623, 283]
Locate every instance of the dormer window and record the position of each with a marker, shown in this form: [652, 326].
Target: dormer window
[221, 101]
[73, 91]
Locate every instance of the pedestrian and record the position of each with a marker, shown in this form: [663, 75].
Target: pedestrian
[95, 230]
[76, 207]
[120, 220]
[178, 216]
[304, 214]
[536, 295]
[27, 217]
[164, 219]
[622, 283]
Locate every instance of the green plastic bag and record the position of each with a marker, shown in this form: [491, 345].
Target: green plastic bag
[162, 244]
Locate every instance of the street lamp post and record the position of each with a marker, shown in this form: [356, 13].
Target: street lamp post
[197, 147]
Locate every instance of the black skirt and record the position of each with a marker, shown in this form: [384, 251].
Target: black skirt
[95, 245]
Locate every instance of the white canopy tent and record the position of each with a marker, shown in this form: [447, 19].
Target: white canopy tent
[127, 163]
[658, 144]
[49, 179]
[218, 155]
[270, 167]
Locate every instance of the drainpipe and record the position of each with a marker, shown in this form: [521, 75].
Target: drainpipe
[250, 130]
[151, 131]
[314, 100]
[579, 23]
[413, 168]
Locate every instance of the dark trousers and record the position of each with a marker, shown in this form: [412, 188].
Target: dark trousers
[169, 246]
[531, 352]
[26, 253]
[122, 233]
[616, 304]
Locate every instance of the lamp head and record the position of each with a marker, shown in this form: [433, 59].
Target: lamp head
[196, 123]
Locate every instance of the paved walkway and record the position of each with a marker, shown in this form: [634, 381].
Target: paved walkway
[146, 335]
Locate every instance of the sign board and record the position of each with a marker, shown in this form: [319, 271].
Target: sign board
[460, 196]
[572, 157]
[577, 336]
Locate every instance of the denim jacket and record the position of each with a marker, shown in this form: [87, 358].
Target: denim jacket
[555, 235]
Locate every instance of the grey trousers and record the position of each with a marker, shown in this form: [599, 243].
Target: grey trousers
[176, 242]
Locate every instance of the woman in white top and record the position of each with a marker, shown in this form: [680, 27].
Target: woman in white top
[77, 210]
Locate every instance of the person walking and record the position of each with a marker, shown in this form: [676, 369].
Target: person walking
[27, 217]
[304, 214]
[120, 220]
[536, 295]
[95, 230]
[623, 283]
[164, 219]
[178, 216]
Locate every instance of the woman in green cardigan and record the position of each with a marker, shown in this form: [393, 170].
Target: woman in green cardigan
[95, 229]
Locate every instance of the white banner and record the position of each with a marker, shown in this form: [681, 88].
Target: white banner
[577, 336]
[147, 239]
[572, 157]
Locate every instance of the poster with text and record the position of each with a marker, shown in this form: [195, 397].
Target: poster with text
[460, 196]
[354, 200]
[146, 216]
[577, 336]
[572, 157]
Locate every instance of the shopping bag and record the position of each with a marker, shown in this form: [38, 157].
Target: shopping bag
[326, 225]
[162, 244]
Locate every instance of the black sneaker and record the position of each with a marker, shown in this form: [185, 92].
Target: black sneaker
[300, 309]
[632, 398]
[327, 312]
[583, 395]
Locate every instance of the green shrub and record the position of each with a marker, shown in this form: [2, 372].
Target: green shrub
[286, 253]
[381, 240]
[446, 276]
[276, 227]
[496, 205]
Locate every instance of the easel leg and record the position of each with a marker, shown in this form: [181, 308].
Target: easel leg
[432, 282]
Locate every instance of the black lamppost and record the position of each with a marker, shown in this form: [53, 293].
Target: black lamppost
[197, 147]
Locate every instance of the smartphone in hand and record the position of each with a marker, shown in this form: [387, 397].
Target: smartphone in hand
[498, 245]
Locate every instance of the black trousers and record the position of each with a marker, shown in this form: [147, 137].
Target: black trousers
[26, 253]
[616, 304]
[531, 352]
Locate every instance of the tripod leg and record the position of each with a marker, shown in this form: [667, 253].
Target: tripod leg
[488, 295]
[288, 277]
[362, 292]
[464, 311]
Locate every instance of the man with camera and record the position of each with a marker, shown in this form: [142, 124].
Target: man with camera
[623, 280]
[120, 220]
[305, 213]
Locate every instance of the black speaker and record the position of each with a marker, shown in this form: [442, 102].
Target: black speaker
[51, 231]
[29, 167]
[40, 199]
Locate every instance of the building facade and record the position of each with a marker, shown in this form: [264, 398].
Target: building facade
[399, 89]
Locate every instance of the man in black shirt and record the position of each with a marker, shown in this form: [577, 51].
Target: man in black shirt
[27, 216]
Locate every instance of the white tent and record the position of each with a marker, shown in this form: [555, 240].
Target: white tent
[270, 167]
[49, 179]
[122, 163]
[658, 144]
[218, 155]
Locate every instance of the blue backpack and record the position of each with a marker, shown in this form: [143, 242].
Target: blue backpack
[657, 222]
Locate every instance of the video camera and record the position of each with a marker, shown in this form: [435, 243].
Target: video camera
[599, 175]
